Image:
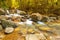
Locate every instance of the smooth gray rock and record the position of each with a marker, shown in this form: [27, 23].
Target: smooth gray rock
[9, 30]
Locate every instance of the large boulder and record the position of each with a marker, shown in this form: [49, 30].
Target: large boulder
[22, 13]
[36, 17]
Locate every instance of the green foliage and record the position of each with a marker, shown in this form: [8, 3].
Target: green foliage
[42, 6]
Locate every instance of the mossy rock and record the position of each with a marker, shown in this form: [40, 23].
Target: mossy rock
[7, 23]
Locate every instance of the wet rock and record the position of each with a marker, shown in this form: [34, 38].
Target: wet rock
[9, 30]
[51, 19]
[44, 19]
[34, 18]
